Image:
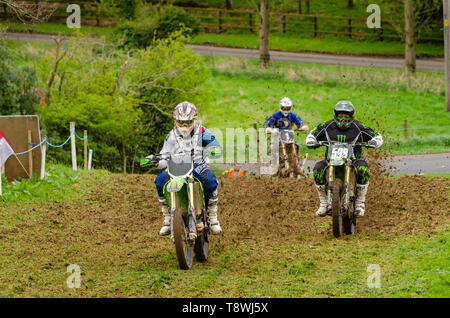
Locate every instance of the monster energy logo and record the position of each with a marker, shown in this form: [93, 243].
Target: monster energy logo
[341, 138]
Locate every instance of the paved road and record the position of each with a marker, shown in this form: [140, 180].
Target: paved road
[407, 164]
[432, 64]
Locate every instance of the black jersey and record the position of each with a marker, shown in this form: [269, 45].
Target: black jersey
[357, 132]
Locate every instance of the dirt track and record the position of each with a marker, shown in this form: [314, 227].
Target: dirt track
[112, 233]
[264, 207]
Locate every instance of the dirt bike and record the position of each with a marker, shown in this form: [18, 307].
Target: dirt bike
[340, 184]
[184, 194]
[289, 164]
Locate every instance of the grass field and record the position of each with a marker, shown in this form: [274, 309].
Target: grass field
[326, 44]
[243, 94]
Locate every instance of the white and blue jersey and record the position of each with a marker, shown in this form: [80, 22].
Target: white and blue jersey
[277, 120]
[202, 141]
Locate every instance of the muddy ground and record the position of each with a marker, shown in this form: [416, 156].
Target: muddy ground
[117, 224]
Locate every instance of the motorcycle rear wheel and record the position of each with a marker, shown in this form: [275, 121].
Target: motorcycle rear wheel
[183, 248]
[336, 214]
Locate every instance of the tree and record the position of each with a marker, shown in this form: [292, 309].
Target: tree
[28, 12]
[229, 4]
[299, 6]
[350, 4]
[417, 16]
[264, 56]
[263, 12]
[18, 94]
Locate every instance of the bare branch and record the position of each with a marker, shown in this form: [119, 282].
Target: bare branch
[157, 108]
[29, 12]
[122, 73]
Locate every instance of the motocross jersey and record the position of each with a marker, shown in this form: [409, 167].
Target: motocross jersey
[357, 132]
[277, 120]
[200, 142]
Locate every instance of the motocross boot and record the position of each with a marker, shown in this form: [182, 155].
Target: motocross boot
[213, 222]
[323, 198]
[361, 191]
[165, 229]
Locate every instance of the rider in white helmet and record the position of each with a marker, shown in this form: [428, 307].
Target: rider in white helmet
[284, 119]
[189, 135]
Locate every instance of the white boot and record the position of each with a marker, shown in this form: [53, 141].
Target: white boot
[213, 222]
[361, 191]
[323, 198]
[165, 229]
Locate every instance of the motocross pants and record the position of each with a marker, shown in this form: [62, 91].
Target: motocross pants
[207, 178]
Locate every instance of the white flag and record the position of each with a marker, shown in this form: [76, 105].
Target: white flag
[5, 150]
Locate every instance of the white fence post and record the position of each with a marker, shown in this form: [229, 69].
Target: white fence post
[43, 152]
[90, 159]
[74, 151]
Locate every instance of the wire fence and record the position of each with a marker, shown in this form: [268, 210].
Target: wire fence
[45, 140]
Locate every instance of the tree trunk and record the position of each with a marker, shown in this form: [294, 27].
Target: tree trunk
[307, 7]
[264, 56]
[299, 6]
[229, 4]
[350, 4]
[410, 39]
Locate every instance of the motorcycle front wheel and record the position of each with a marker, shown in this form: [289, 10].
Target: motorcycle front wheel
[183, 247]
[336, 214]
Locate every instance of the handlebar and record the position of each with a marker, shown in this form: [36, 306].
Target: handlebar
[362, 144]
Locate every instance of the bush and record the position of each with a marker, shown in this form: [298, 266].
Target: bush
[124, 100]
[127, 9]
[17, 86]
[173, 19]
[149, 25]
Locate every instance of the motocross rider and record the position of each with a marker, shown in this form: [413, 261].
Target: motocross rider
[189, 136]
[284, 119]
[343, 128]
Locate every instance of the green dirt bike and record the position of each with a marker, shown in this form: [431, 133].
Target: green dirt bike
[341, 185]
[184, 194]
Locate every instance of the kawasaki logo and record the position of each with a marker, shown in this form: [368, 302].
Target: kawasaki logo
[341, 138]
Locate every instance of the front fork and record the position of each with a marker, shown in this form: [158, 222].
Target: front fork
[191, 212]
[284, 156]
[347, 187]
[192, 234]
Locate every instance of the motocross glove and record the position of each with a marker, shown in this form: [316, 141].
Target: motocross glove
[148, 161]
[312, 144]
[216, 152]
[373, 143]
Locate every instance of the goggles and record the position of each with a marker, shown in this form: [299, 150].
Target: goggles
[286, 108]
[185, 123]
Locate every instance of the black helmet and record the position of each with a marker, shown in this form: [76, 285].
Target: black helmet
[344, 107]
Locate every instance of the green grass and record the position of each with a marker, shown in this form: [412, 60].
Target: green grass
[327, 44]
[61, 184]
[55, 28]
[243, 94]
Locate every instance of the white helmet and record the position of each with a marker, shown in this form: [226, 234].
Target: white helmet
[185, 115]
[286, 106]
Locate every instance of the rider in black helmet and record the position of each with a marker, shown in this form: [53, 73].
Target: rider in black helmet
[343, 128]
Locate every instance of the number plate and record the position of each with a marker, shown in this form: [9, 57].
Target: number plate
[339, 153]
